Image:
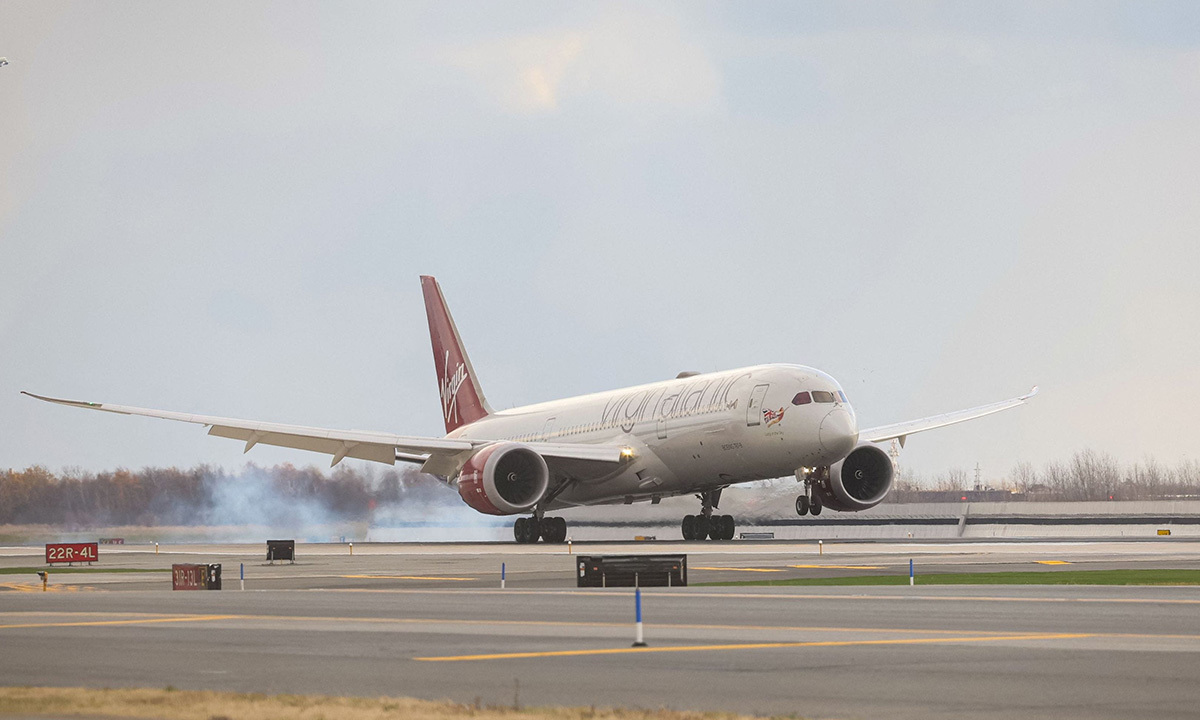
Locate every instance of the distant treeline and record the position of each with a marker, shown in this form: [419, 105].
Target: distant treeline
[287, 495]
[1088, 475]
[210, 496]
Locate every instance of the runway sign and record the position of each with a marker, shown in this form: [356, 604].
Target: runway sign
[72, 553]
[188, 577]
[281, 550]
[631, 570]
[195, 577]
[112, 541]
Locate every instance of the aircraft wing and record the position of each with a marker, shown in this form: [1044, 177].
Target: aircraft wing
[902, 430]
[440, 455]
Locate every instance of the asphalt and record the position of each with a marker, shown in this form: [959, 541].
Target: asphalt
[358, 625]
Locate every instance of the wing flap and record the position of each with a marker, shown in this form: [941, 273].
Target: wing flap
[339, 449]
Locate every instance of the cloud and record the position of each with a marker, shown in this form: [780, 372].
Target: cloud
[631, 60]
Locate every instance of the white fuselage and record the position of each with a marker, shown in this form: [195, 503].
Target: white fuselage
[691, 434]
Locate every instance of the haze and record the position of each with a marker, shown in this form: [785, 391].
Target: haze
[223, 208]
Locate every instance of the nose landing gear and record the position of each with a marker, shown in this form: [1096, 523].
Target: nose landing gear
[706, 525]
[809, 502]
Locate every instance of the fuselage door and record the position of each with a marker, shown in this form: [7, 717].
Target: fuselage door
[548, 428]
[662, 429]
[754, 409]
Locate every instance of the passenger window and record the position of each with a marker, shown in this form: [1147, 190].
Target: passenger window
[822, 396]
[802, 398]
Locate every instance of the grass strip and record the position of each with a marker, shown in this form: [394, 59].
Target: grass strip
[72, 570]
[1045, 577]
[172, 704]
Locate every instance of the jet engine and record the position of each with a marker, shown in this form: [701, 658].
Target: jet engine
[861, 481]
[503, 479]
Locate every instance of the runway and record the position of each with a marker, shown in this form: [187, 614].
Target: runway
[896, 652]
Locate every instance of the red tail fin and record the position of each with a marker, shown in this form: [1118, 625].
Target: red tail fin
[462, 398]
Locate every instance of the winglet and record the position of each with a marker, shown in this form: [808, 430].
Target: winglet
[60, 401]
[1031, 393]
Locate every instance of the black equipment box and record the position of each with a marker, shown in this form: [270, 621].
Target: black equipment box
[281, 550]
[631, 570]
[213, 579]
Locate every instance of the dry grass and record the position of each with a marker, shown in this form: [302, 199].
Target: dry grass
[171, 704]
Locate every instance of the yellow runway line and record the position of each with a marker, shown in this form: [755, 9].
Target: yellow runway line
[751, 646]
[36, 587]
[737, 569]
[837, 567]
[578, 623]
[141, 621]
[476, 622]
[406, 577]
[1052, 562]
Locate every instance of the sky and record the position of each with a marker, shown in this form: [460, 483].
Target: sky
[224, 208]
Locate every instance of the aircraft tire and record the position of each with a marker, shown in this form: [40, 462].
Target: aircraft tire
[689, 527]
[728, 527]
[801, 505]
[703, 526]
[527, 530]
[556, 530]
[815, 508]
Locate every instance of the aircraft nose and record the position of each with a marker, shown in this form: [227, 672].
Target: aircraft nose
[838, 433]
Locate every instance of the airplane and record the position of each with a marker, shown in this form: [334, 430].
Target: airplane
[695, 434]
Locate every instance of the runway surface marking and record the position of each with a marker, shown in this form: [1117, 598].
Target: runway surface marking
[1052, 562]
[140, 621]
[751, 646]
[407, 577]
[459, 621]
[972, 636]
[37, 587]
[740, 569]
[663, 592]
[837, 567]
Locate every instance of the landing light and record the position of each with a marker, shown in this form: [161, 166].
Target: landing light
[626, 452]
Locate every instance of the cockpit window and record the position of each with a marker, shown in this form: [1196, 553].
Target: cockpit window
[802, 398]
[842, 395]
[823, 396]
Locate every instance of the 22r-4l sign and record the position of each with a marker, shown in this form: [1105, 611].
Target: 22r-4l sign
[72, 552]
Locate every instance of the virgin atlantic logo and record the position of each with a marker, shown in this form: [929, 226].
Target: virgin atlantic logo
[450, 385]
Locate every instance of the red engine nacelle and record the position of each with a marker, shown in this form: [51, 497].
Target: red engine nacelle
[503, 479]
[861, 481]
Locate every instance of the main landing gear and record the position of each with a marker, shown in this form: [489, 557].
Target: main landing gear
[531, 529]
[706, 525]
